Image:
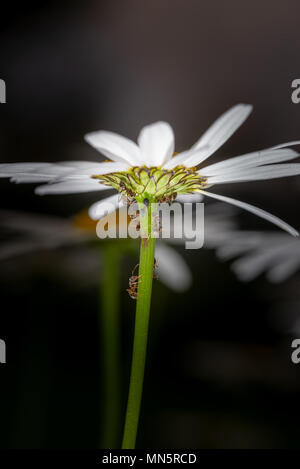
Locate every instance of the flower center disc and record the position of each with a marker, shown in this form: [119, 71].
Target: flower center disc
[154, 184]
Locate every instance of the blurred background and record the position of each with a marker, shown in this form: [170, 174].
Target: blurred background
[219, 373]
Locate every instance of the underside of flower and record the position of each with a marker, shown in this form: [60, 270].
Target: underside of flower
[155, 184]
[149, 169]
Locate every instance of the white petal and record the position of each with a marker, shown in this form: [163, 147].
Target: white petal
[254, 263]
[255, 210]
[189, 198]
[52, 173]
[65, 171]
[17, 248]
[284, 270]
[156, 142]
[76, 164]
[96, 169]
[254, 159]
[199, 155]
[222, 129]
[240, 242]
[172, 268]
[71, 187]
[249, 267]
[187, 158]
[217, 134]
[277, 255]
[10, 169]
[226, 252]
[34, 224]
[27, 179]
[287, 144]
[114, 146]
[37, 172]
[257, 174]
[105, 207]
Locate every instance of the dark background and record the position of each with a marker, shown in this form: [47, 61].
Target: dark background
[219, 373]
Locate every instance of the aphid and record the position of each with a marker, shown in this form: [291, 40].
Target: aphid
[133, 284]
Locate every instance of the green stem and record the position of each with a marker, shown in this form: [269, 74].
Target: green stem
[140, 332]
[110, 335]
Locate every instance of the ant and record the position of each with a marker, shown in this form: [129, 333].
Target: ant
[134, 280]
[133, 284]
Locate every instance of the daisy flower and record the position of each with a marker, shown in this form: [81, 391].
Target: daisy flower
[148, 173]
[149, 170]
[276, 254]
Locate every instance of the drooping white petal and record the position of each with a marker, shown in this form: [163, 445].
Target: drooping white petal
[257, 174]
[156, 142]
[217, 134]
[255, 210]
[105, 207]
[71, 187]
[249, 160]
[114, 146]
[172, 268]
